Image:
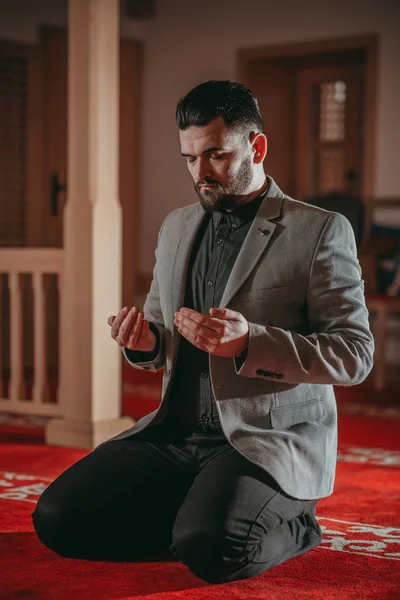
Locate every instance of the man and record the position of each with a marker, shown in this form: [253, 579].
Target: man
[256, 309]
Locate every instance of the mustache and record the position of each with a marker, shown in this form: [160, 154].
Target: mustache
[198, 185]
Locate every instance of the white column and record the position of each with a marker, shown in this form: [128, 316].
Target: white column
[90, 387]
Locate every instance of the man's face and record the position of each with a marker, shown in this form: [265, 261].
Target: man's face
[221, 163]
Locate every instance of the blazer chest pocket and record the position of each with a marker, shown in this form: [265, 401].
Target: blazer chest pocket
[263, 294]
[283, 417]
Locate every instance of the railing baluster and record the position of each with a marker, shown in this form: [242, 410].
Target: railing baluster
[60, 288]
[17, 388]
[40, 375]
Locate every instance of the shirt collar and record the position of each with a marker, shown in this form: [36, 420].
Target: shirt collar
[241, 214]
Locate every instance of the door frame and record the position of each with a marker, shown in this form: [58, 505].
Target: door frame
[370, 45]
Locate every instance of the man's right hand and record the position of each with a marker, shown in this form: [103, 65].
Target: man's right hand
[131, 330]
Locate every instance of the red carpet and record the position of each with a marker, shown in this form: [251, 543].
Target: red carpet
[359, 557]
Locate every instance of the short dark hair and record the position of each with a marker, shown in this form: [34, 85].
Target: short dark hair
[231, 100]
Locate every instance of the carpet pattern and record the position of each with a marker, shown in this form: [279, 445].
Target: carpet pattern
[358, 558]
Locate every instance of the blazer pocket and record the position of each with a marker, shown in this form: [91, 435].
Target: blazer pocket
[283, 417]
[263, 294]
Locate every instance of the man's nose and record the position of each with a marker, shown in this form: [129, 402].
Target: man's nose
[203, 170]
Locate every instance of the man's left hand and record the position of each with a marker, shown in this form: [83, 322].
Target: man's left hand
[224, 333]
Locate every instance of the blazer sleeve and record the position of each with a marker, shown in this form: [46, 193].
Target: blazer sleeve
[340, 349]
[151, 361]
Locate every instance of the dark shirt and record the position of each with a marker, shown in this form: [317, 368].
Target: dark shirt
[191, 403]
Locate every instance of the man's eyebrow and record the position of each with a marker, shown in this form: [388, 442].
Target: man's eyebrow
[212, 149]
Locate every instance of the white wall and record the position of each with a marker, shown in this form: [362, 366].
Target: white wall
[191, 41]
[20, 19]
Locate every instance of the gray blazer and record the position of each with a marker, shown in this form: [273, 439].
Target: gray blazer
[297, 281]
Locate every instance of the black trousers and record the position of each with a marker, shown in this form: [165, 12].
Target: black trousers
[189, 497]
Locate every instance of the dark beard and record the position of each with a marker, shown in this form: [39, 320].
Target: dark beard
[224, 198]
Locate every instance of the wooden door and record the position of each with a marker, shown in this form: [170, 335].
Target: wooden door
[304, 92]
[329, 145]
[274, 83]
[54, 51]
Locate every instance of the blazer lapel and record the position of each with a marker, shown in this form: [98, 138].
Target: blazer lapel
[182, 255]
[257, 240]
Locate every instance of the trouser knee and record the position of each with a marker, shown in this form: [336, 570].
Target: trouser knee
[51, 525]
[215, 559]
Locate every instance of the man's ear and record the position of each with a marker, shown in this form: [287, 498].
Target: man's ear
[260, 146]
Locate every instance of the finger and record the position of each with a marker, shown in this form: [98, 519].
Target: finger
[111, 320]
[117, 322]
[209, 333]
[144, 330]
[126, 326]
[135, 331]
[226, 313]
[195, 320]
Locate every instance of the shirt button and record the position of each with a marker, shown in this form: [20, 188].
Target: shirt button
[204, 375]
[219, 241]
[234, 225]
[210, 283]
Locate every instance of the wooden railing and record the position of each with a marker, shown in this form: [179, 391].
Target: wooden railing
[24, 326]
